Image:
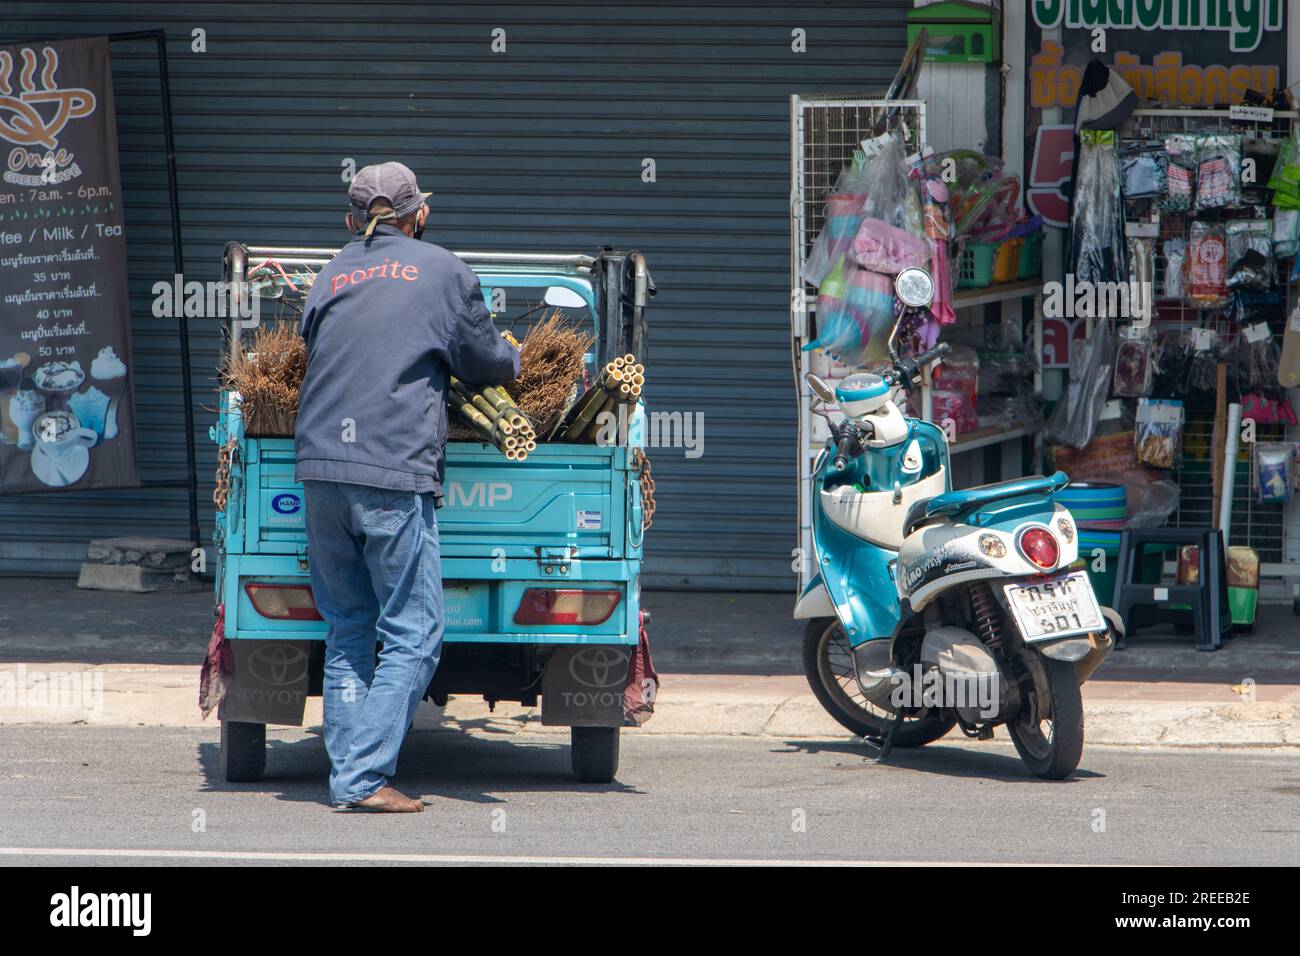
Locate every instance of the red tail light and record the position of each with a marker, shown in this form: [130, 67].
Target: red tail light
[1040, 548]
[283, 602]
[554, 606]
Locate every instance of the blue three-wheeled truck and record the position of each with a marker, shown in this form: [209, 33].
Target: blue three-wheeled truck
[541, 559]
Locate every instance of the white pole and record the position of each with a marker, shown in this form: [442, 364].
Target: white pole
[1229, 470]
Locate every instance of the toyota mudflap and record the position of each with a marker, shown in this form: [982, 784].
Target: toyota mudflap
[541, 559]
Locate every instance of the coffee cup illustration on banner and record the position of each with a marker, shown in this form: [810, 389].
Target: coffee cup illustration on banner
[57, 381]
[62, 448]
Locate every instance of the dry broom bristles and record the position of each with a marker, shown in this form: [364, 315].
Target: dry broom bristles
[550, 362]
[267, 378]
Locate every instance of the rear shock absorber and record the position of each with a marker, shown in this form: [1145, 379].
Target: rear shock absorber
[988, 616]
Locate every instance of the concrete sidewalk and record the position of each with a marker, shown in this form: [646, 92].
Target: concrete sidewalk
[730, 664]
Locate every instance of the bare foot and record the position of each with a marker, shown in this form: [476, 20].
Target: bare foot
[388, 800]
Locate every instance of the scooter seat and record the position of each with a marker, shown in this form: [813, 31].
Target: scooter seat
[952, 503]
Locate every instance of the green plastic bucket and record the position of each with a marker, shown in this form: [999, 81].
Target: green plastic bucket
[975, 269]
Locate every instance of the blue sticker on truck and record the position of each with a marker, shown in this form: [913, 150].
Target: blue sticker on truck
[285, 509]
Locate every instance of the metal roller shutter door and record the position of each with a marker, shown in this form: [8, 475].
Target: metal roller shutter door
[536, 148]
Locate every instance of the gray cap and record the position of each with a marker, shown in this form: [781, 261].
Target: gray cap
[389, 181]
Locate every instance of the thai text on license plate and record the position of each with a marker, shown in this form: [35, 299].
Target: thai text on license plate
[1056, 607]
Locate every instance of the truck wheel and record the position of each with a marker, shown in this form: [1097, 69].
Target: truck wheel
[593, 752]
[243, 751]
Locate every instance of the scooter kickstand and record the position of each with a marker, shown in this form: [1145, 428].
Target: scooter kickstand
[885, 745]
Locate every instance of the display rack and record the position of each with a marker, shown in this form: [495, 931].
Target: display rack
[1272, 529]
[825, 129]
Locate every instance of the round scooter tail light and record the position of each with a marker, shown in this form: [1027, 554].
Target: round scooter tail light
[1040, 548]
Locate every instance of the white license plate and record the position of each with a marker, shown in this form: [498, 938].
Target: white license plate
[1058, 607]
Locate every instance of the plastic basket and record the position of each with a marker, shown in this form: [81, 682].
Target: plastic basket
[976, 268]
[1006, 262]
[1031, 256]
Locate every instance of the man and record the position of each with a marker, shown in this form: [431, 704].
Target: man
[386, 323]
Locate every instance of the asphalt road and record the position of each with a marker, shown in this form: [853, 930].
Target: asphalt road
[121, 795]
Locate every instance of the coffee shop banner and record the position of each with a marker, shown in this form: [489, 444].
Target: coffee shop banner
[1189, 53]
[66, 413]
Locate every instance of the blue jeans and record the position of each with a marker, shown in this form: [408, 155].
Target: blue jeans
[376, 576]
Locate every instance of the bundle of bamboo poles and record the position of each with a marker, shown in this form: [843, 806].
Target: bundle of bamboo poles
[493, 417]
[619, 383]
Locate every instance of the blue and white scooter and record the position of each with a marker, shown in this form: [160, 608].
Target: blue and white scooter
[932, 607]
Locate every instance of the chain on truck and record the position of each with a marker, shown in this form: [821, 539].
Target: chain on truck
[541, 559]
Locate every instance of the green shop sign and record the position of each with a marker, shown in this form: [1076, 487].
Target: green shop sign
[1244, 20]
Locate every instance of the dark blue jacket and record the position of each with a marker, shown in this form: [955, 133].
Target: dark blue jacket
[386, 322]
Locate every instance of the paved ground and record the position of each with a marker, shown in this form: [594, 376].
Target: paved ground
[93, 795]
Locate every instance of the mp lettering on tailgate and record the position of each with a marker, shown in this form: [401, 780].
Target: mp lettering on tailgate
[480, 494]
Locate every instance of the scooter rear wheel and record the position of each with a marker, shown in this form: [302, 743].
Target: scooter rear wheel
[1051, 745]
[828, 665]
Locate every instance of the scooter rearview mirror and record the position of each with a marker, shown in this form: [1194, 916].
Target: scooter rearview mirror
[820, 388]
[914, 288]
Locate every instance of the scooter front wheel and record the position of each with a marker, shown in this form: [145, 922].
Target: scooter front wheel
[1050, 740]
[828, 665]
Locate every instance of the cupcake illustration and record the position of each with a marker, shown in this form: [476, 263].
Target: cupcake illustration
[108, 373]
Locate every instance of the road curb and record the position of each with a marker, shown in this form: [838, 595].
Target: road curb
[166, 695]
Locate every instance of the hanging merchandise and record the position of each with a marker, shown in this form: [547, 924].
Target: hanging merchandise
[1172, 363]
[1203, 369]
[1105, 99]
[848, 304]
[890, 196]
[1218, 160]
[1158, 432]
[1134, 363]
[1142, 278]
[1144, 170]
[1285, 181]
[939, 233]
[983, 197]
[1274, 472]
[1180, 174]
[1286, 232]
[1097, 227]
[880, 247]
[843, 216]
[1258, 153]
[1207, 266]
[1250, 254]
[1074, 420]
[1175, 268]
[1257, 364]
[1264, 409]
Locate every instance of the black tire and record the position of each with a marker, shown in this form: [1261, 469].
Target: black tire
[593, 753]
[243, 751]
[1053, 755]
[830, 675]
